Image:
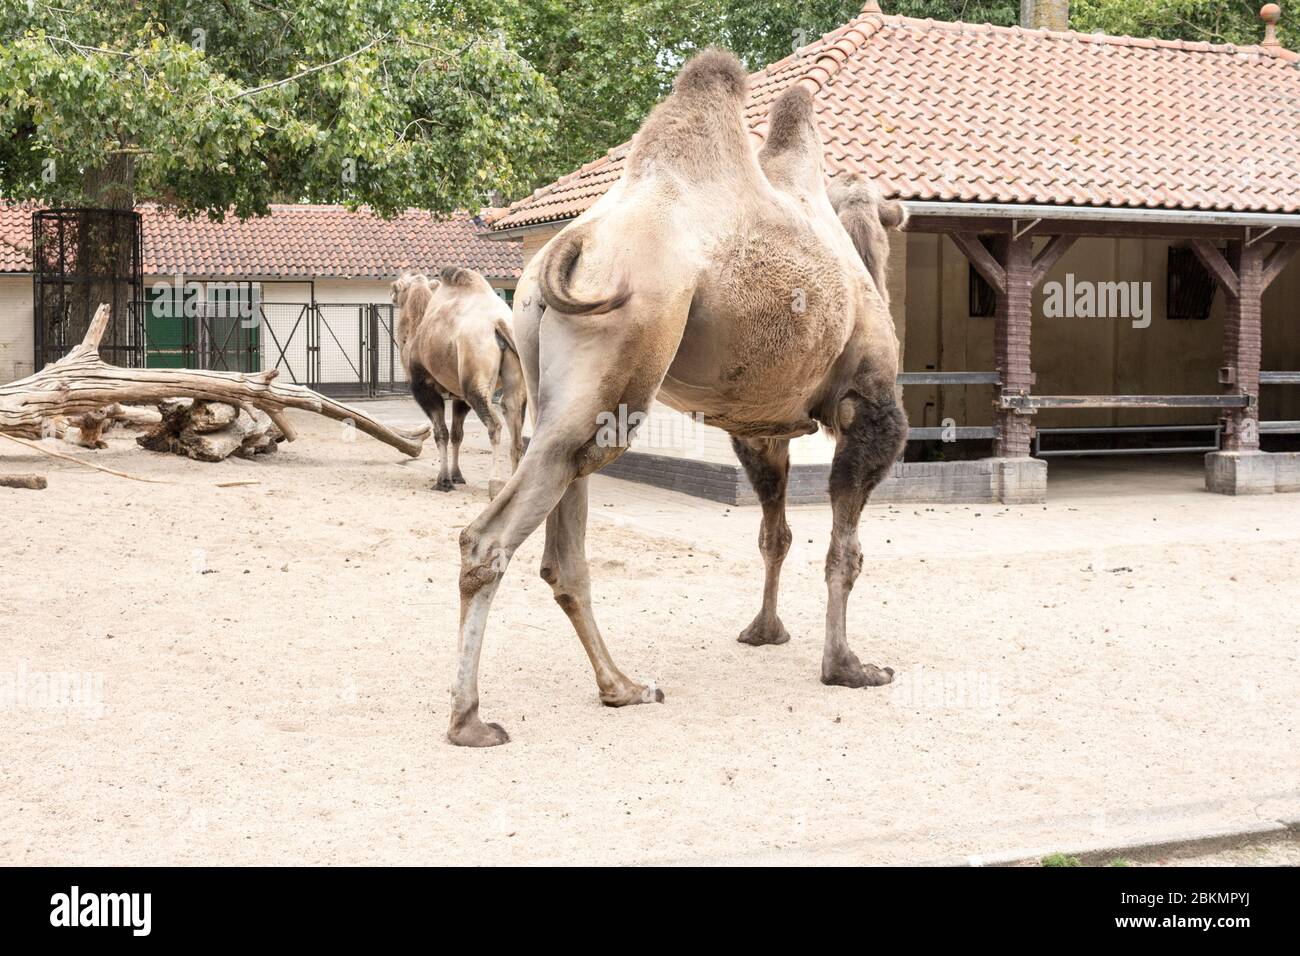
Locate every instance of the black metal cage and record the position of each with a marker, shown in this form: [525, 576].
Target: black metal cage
[81, 258]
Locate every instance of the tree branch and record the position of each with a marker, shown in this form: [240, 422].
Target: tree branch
[310, 70]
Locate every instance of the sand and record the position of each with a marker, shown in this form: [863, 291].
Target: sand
[262, 672]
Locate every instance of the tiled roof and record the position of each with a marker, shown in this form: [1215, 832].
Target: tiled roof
[16, 237]
[296, 241]
[962, 112]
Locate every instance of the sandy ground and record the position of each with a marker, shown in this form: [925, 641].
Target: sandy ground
[258, 674]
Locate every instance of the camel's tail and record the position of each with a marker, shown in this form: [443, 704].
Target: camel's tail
[506, 336]
[556, 273]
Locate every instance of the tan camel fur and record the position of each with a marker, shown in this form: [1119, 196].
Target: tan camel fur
[723, 284]
[457, 344]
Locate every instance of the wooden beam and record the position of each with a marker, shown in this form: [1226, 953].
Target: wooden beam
[1217, 266]
[1277, 260]
[1279, 378]
[1126, 401]
[948, 378]
[985, 264]
[1097, 229]
[1051, 254]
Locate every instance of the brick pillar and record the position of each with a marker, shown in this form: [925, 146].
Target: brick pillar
[1242, 344]
[1011, 344]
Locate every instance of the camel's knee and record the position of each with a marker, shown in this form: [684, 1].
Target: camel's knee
[595, 455]
[873, 432]
[567, 589]
[774, 539]
[843, 562]
[482, 560]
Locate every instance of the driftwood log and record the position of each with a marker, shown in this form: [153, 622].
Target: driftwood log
[211, 431]
[34, 482]
[88, 430]
[82, 382]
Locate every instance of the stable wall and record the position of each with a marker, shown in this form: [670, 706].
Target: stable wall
[1085, 356]
[17, 335]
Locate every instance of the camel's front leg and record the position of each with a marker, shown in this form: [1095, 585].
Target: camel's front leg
[767, 464]
[871, 434]
[459, 410]
[564, 568]
[486, 547]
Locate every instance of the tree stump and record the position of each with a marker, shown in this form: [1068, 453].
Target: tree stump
[211, 431]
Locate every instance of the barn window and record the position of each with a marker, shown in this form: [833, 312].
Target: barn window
[1189, 287]
[983, 300]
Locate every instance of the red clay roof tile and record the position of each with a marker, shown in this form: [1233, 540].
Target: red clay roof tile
[295, 241]
[954, 111]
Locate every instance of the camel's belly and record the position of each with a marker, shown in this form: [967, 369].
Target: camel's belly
[765, 365]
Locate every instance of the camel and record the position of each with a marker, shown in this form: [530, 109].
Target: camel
[724, 284]
[456, 342]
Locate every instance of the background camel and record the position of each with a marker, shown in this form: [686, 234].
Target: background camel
[725, 284]
[457, 343]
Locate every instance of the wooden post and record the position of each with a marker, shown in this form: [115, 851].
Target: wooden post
[1011, 345]
[1242, 344]
[1009, 265]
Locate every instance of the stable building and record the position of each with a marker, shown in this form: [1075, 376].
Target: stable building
[1100, 257]
[304, 290]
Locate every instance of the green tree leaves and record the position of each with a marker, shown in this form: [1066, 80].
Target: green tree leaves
[211, 105]
[232, 104]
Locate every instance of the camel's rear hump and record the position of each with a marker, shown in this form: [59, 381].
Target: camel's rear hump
[791, 157]
[699, 131]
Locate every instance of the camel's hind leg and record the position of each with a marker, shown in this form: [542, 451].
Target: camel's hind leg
[459, 410]
[767, 464]
[428, 397]
[871, 434]
[586, 377]
[564, 568]
[481, 401]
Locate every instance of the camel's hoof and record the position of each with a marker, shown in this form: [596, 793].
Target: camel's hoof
[443, 484]
[494, 487]
[457, 478]
[475, 733]
[764, 631]
[850, 673]
[634, 694]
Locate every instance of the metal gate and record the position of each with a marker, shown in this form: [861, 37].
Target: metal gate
[341, 349]
[81, 258]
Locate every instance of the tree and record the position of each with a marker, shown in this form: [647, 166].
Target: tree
[1212, 21]
[217, 105]
[610, 61]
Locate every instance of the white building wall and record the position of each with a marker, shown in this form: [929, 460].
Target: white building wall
[17, 338]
